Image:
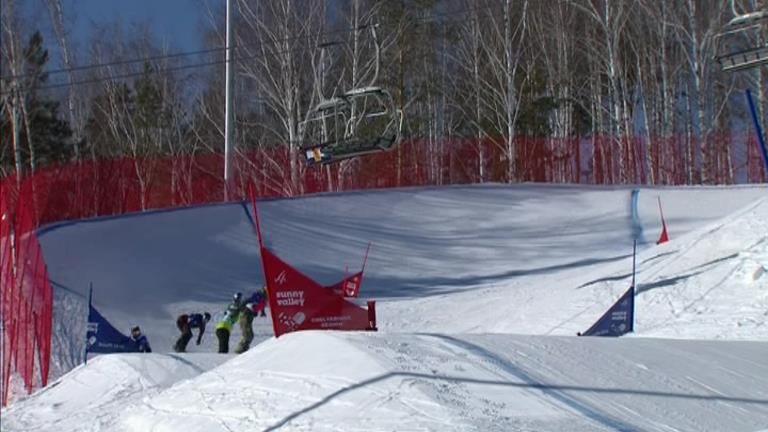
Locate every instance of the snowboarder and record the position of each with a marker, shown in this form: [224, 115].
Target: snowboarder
[246, 329]
[185, 323]
[139, 341]
[248, 311]
[251, 307]
[259, 302]
[224, 327]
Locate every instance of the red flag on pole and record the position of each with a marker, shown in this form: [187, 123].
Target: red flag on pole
[664, 236]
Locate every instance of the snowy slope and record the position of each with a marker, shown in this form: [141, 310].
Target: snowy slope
[469, 265]
[377, 382]
[146, 270]
[428, 243]
[316, 381]
[709, 283]
[92, 396]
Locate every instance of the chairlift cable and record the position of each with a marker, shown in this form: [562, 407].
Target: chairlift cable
[425, 19]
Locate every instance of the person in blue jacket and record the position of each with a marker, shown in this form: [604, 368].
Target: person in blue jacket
[259, 301]
[185, 324]
[139, 341]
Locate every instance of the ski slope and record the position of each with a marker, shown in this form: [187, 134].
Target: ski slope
[480, 290]
[383, 382]
[91, 396]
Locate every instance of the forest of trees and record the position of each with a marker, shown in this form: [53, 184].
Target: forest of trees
[617, 70]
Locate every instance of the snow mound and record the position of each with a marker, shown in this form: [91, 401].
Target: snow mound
[92, 396]
[324, 381]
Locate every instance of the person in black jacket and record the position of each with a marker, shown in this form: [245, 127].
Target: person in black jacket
[185, 324]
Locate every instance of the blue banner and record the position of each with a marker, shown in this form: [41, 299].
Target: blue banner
[618, 320]
[102, 337]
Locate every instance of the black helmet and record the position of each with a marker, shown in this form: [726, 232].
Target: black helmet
[238, 297]
[135, 329]
[206, 316]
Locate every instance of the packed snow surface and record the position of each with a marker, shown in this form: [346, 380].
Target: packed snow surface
[480, 291]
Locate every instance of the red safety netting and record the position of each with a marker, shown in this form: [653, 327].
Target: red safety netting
[118, 186]
[27, 309]
[7, 286]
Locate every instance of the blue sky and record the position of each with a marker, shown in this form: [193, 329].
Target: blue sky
[176, 25]
[177, 22]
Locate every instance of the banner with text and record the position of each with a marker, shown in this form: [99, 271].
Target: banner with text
[618, 320]
[102, 337]
[299, 303]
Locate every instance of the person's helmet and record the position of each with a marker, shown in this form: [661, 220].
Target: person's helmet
[206, 316]
[135, 329]
[238, 297]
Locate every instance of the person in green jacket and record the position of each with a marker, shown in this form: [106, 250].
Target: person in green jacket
[248, 311]
[246, 329]
[224, 327]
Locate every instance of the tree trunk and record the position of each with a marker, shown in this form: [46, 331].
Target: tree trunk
[30, 141]
[57, 18]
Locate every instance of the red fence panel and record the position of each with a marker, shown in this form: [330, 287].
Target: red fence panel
[6, 284]
[26, 292]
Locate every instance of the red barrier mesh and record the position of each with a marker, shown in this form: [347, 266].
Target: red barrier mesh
[26, 292]
[6, 287]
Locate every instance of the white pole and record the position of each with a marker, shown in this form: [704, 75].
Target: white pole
[229, 112]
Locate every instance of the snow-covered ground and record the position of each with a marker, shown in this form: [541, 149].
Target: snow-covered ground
[480, 290]
[316, 381]
[90, 397]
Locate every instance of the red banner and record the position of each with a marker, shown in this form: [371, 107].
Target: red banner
[349, 286]
[299, 303]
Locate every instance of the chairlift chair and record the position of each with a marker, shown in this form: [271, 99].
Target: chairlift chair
[733, 55]
[360, 121]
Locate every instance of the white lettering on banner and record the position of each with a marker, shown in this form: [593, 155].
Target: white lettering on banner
[281, 278]
[619, 316]
[331, 321]
[290, 298]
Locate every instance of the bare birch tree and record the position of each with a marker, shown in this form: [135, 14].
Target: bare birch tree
[278, 47]
[74, 103]
[13, 65]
